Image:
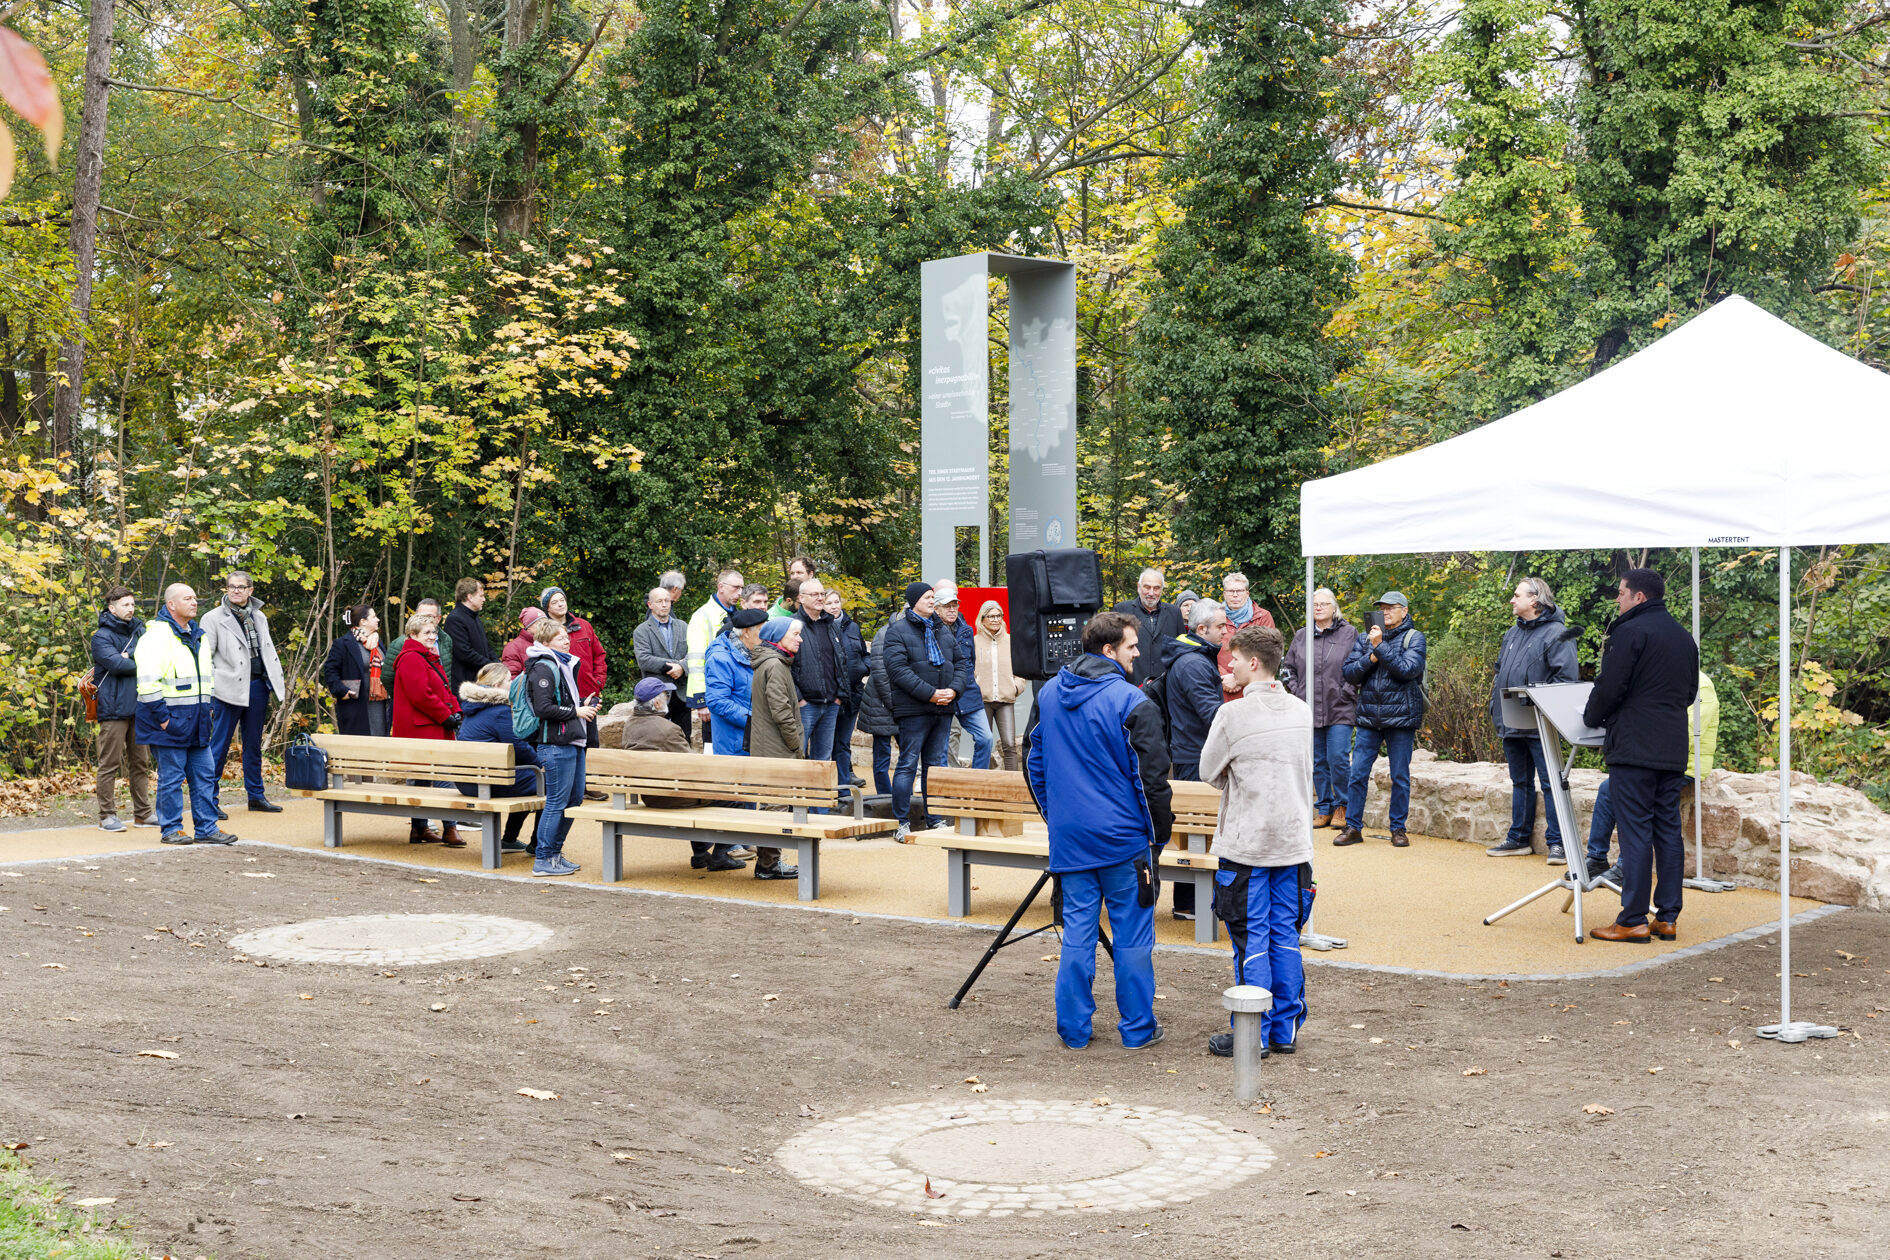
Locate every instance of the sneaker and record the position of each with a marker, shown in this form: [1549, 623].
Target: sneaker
[1186, 916]
[777, 871]
[1280, 1047]
[259, 805]
[547, 868]
[110, 823]
[741, 851]
[725, 864]
[219, 836]
[1556, 856]
[934, 823]
[1612, 875]
[514, 846]
[145, 822]
[1070, 1045]
[904, 834]
[1221, 1045]
[1511, 848]
[175, 837]
[1155, 1039]
[1351, 835]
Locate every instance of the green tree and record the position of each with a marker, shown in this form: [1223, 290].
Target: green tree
[1230, 354]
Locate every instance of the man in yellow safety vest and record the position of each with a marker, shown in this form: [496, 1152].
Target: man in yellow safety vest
[176, 720]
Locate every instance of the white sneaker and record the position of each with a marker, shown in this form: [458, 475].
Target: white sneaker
[110, 823]
[904, 834]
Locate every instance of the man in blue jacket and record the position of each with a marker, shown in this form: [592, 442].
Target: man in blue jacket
[1537, 649]
[175, 718]
[1387, 667]
[1098, 771]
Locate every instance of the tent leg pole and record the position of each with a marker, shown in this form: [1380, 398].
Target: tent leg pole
[1700, 882]
[1787, 1029]
[1309, 939]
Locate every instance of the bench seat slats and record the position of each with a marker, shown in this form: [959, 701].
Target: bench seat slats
[755, 822]
[421, 798]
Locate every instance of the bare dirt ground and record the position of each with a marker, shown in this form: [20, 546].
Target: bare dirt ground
[328, 1111]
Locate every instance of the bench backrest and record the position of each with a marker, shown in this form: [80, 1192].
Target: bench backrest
[377, 756]
[749, 780]
[1002, 794]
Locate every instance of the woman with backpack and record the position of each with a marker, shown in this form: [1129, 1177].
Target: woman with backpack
[486, 702]
[566, 727]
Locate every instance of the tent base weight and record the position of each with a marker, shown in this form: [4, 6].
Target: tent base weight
[1796, 1031]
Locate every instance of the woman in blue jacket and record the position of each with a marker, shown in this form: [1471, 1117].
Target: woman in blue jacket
[1387, 667]
[485, 705]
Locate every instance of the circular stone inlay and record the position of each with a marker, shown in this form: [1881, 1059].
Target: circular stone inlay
[1036, 1150]
[1025, 1158]
[369, 940]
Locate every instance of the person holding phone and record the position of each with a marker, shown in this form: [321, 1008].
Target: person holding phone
[1386, 664]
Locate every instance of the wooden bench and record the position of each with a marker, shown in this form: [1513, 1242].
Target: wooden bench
[801, 786]
[998, 825]
[354, 757]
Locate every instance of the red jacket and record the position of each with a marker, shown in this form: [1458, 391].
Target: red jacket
[589, 650]
[1261, 617]
[514, 653]
[422, 698]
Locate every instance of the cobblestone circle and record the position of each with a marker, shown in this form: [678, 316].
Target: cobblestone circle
[379, 940]
[1024, 1158]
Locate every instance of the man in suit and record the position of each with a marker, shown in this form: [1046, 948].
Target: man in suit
[1650, 670]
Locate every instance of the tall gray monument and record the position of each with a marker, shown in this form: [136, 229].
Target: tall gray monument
[955, 429]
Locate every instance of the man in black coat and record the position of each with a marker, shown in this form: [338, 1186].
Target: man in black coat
[921, 673]
[1650, 670]
[470, 651]
[1156, 624]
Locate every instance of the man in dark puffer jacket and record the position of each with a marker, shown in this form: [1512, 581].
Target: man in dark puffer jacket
[1388, 670]
[921, 673]
[1535, 650]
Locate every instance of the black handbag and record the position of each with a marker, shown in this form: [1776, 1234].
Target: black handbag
[305, 765]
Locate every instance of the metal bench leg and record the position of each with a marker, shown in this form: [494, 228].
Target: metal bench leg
[1207, 928]
[612, 853]
[807, 888]
[331, 825]
[489, 842]
[957, 883]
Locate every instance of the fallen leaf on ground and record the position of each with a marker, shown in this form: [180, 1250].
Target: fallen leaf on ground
[17, 1146]
[306, 997]
[53, 966]
[465, 1198]
[1596, 1109]
[542, 1095]
[1845, 956]
[1048, 958]
[1716, 979]
[807, 1112]
[623, 1157]
[437, 1006]
[931, 1193]
[936, 1224]
[971, 1080]
[1733, 1044]
[92, 1202]
[771, 997]
[1084, 1203]
[1099, 1101]
[257, 875]
[1476, 1071]
[157, 1054]
[158, 1146]
[1378, 1041]
[980, 1089]
[1321, 1154]
[424, 880]
[1652, 1070]
[737, 1170]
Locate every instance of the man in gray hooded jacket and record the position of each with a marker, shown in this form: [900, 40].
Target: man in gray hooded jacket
[1537, 649]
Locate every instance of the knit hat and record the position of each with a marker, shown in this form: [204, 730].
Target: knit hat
[1184, 597]
[544, 600]
[777, 629]
[742, 618]
[916, 592]
[529, 614]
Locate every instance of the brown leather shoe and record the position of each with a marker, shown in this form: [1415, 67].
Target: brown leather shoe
[1322, 820]
[1665, 931]
[1338, 817]
[1351, 835]
[1615, 932]
[1399, 840]
[449, 837]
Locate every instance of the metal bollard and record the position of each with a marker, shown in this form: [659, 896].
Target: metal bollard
[1248, 1002]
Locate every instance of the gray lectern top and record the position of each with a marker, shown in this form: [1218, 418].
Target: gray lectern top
[1561, 703]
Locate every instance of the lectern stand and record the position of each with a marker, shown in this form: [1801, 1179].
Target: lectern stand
[1555, 709]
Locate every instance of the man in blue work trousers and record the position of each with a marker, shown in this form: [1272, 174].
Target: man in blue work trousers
[1098, 769]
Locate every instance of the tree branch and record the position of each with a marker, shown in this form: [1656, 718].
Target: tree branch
[581, 57]
[1415, 214]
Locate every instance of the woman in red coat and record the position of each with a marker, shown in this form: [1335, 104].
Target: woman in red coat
[424, 707]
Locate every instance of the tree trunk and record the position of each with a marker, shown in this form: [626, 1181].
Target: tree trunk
[305, 127]
[88, 179]
[9, 385]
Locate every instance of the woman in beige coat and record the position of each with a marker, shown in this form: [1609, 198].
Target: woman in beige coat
[1000, 687]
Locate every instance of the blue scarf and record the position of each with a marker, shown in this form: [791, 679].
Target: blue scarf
[932, 653]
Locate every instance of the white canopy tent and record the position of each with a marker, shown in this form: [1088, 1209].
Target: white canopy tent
[1735, 430]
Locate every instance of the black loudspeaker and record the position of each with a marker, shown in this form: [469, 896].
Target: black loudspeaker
[1053, 595]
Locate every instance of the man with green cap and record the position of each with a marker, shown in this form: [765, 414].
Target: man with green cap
[1387, 667]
